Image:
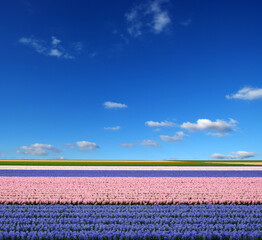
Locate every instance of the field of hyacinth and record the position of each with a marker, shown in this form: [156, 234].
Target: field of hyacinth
[130, 222]
[102, 204]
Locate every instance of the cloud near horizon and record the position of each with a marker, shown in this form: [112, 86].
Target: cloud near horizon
[112, 128]
[38, 149]
[177, 137]
[150, 143]
[130, 145]
[238, 155]
[84, 146]
[219, 127]
[160, 124]
[114, 105]
[148, 16]
[246, 93]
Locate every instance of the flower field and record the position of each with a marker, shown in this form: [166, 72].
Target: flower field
[124, 204]
[130, 222]
[129, 173]
[129, 190]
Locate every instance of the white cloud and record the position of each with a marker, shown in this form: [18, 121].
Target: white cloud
[37, 45]
[132, 15]
[218, 156]
[84, 146]
[220, 127]
[160, 124]
[114, 105]
[130, 145]
[135, 29]
[177, 137]
[218, 134]
[238, 155]
[55, 52]
[55, 41]
[247, 93]
[38, 149]
[53, 48]
[68, 56]
[149, 143]
[112, 128]
[161, 20]
[147, 16]
[244, 154]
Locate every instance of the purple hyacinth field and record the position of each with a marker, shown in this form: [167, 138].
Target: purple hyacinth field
[125, 204]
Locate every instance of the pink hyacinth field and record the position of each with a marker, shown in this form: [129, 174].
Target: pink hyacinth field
[122, 190]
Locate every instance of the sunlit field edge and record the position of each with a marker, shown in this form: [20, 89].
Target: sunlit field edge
[130, 163]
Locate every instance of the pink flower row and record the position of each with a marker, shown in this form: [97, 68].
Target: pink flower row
[130, 190]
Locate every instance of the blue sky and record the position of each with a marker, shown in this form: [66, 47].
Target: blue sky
[127, 80]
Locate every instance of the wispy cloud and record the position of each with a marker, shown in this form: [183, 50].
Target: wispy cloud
[84, 146]
[177, 137]
[246, 93]
[149, 143]
[112, 128]
[37, 45]
[38, 149]
[150, 15]
[51, 48]
[160, 124]
[55, 41]
[219, 127]
[55, 53]
[161, 20]
[114, 105]
[78, 46]
[238, 155]
[129, 145]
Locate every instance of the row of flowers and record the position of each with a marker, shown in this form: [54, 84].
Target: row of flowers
[129, 173]
[130, 222]
[103, 190]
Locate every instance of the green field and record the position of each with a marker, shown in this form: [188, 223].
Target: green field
[123, 163]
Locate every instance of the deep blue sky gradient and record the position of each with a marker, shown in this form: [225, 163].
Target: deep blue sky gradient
[181, 74]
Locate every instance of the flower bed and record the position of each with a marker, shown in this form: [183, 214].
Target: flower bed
[129, 173]
[130, 222]
[131, 190]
